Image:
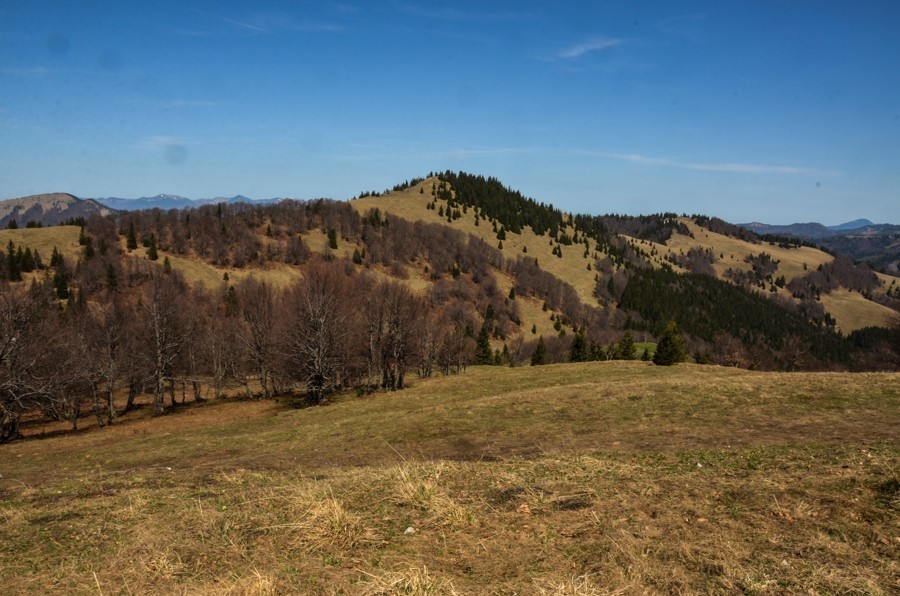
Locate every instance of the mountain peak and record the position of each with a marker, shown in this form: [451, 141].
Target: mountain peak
[852, 225]
[48, 209]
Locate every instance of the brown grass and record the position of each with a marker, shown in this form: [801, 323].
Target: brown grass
[852, 311]
[64, 238]
[410, 204]
[568, 479]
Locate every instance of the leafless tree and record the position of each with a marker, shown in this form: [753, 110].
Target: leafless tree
[257, 306]
[165, 329]
[28, 377]
[402, 314]
[317, 328]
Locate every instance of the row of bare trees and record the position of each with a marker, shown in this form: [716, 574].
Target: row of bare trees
[334, 327]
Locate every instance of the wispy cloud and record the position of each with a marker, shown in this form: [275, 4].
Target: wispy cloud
[175, 104]
[34, 71]
[455, 14]
[162, 141]
[595, 44]
[267, 23]
[733, 168]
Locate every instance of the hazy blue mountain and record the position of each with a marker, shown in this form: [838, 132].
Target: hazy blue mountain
[166, 202]
[852, 225]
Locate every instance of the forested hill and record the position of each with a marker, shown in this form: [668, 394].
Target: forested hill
[425, 279]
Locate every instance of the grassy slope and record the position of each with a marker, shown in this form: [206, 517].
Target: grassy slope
[850, 310]
[850, 313]
[64, 238]
[611, 476]
[410, 204]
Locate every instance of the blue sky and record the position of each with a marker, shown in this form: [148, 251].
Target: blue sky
[766, 111]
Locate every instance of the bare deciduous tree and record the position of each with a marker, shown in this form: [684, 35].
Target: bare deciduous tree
[317, 328]
[165, 329]
[257, 305]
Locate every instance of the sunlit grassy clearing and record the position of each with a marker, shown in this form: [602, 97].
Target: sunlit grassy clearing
[637, 478]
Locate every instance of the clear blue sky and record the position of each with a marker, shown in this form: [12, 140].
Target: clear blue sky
[758, 110]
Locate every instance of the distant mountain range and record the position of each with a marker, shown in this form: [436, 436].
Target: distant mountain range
[48, 209]
[817, 230]
[876, 244]
[55, 208]
[166, 202]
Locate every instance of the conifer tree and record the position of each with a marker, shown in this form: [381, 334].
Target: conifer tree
[152, 253]
[625, 349]
[539, 356]
[483, 352]
[131, 238]
[579, 350]
[112, 280]
[670, 349]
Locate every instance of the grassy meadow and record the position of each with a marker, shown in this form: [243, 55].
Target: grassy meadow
[63, 238]
[612, 477]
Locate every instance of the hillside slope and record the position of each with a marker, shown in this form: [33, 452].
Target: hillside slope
[48, 209]
[793, 262]
[588, 478]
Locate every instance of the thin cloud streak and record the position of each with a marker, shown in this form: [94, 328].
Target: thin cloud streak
[185, 103]
[34, 71]
[453, 14]
[266, 24]
[162, 141]
[733, 168]
[593, 45]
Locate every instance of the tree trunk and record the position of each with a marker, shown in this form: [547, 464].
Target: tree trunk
[132, 393]
[95, 393]
[110, 404]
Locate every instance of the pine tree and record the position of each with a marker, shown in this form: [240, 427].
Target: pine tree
[332, 238]
[579, 349]
[112, 280]
[670, 349]
[152, 253]
[131, 238]
[625, 349]
[539, 356]
[27, 263]
[232, 306]
[61, 287]
[483, 352]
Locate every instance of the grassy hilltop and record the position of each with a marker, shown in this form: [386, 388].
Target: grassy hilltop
[574, 479]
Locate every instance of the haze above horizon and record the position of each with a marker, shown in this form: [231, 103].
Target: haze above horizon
[760, 111]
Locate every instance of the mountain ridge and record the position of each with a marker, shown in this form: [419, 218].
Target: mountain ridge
[48, 209]
[167, 201]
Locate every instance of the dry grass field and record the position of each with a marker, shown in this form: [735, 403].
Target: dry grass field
[410, 204]
[64, 238]
[594, 478]
[852, 311]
